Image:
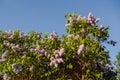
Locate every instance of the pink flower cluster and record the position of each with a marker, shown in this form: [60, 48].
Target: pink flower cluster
[91, 20]
[81, 49]
[16, 68]
[3, 56]
[55, 61]
[4, 76]
[37, 34]
[31, 68]
[38, 51]
[6, 43]
[10, 34]
[101, 28]
[81, 18]
[70, 21]
[15, 47]
[24, 54]
[53, 36]
[42, 52]
[21, 35]
[57, 57]
[73, 36]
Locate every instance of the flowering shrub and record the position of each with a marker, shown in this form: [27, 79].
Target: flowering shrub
[79, 55]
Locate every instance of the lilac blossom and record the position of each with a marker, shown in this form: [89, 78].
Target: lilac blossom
[59, 53]
[4, 55]
[1, 60]
[31, 68]
[91, 20]
[42, 52]
[51, 58]
[71, 19]
[45, 54]
[55, 61]
[56, 53]
[26, 36]
[53, 36]
[97, 20]
[37, 34]
[9, 33]
[59, 60]
[90, 16]
[68, 24]
[80, 18]
[101, 28]
[1, 75]
[32, 50]
[48, 55]
[24, 54]
[15, 48]
[21, 34]
[83, 31]
[37, 50]
[11, 37]
[6, 43]
[62, 51]
[76, 37]
[73, 36]
[6, 77]
[70, 36]
[16, 68]
[81, 49]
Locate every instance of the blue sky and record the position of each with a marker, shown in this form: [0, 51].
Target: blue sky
[48, 16]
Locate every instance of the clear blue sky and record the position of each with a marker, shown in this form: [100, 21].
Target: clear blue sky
[48, 15]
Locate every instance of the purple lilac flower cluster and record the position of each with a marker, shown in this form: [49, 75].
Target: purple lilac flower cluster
[4, 76]
[3, 56]
[53, 36]
[57, 59]
[81, 49]
[16, 68]
[90, 20]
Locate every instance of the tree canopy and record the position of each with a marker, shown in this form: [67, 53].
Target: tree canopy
[77, 55]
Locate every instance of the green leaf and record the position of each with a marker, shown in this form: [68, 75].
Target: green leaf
[98, 75]
[70, 66]
[67, 30]
[88, 70]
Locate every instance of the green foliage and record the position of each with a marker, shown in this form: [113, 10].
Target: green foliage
[118, 65]
[80, 55]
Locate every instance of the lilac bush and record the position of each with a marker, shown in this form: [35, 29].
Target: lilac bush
[79, 55]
